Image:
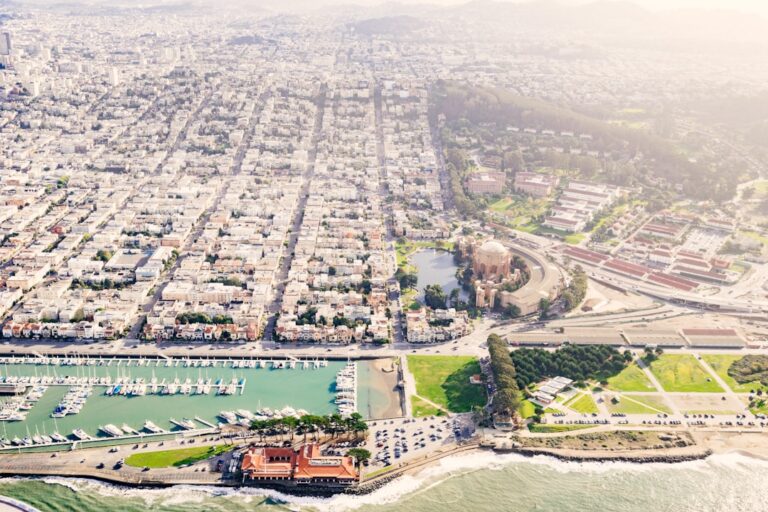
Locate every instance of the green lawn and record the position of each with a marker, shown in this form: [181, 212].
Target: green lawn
[378, 472]
[422, 408]
[584, 404]
[721, 362]
[639, 405]
[527, 409]
[759, 406]
[501, 205]
[631, 378]
[549, 429]
[683, 373]
[404, 250]
[444, 380]
[574, 238]
[181, 457]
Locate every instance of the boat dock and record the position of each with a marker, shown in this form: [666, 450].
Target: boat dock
[166, 362]
[206, 423]
[346, 389]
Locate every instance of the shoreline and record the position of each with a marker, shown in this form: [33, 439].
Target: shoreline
[381, 380]
[417, 467]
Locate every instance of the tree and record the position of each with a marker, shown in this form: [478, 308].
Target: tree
[103, 255]
[454, 297]
[291, 422]
[506, 399]
[406, 279]
[434, 296]
[576, 290]
[576, 362]
[513, 161]
[543, 308]
[359, 454]
[511, 311]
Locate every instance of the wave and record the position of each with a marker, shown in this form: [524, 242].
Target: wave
[407, 485]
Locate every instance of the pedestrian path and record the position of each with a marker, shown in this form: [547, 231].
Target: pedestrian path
[651, 377]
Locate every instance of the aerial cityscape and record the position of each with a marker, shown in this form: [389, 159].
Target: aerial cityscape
[383, 257]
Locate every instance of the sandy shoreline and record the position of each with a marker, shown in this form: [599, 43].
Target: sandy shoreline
[749, 444]
[387, 403]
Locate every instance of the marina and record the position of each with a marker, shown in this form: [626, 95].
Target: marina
[346, 389]
[81, 399]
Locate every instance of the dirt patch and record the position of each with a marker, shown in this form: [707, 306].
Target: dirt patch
[705, 403]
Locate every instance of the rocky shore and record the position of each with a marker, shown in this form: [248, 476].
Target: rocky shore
[644, 457]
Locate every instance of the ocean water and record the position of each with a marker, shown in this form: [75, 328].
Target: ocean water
[469, 483]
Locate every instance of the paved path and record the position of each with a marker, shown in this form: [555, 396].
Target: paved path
[651, 377]
[409, 387]
[12, 505]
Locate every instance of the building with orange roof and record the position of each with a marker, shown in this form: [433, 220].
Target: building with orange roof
[306, 465]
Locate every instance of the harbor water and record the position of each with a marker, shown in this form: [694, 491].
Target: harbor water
[311, 389]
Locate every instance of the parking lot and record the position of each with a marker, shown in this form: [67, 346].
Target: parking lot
[704, 241]
[394, 441]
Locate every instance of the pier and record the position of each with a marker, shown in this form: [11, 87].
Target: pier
[162, 360]
[79, 394]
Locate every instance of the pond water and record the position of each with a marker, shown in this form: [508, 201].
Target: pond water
[436, 267]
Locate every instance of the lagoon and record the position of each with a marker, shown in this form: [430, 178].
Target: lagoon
[436, 267]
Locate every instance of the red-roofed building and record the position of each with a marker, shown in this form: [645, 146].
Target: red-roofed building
[307, 465]
[268, 464]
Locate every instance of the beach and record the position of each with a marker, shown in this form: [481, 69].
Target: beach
[378, 389]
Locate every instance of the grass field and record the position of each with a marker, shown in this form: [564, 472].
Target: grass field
[422, 408]
[683, 373]
[759, 406]
[583, 403]
[501, 205]
[549, 429]
[444, 380]
[631, 378]
[574, 238]
[721, 362]
[527, 409]
[181, 457]
[519, 212]
[639, 405]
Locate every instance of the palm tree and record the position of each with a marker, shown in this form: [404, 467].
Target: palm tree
[335, 421]
[291, 423]
[360, 426]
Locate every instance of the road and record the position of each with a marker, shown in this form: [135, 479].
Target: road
[197, 230]
[298, 216]
[397, 328]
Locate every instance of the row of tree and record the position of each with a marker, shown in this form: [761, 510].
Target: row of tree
[193, 317]
[576, 289]
[576, 362]
[310, 425]
[506, 397]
